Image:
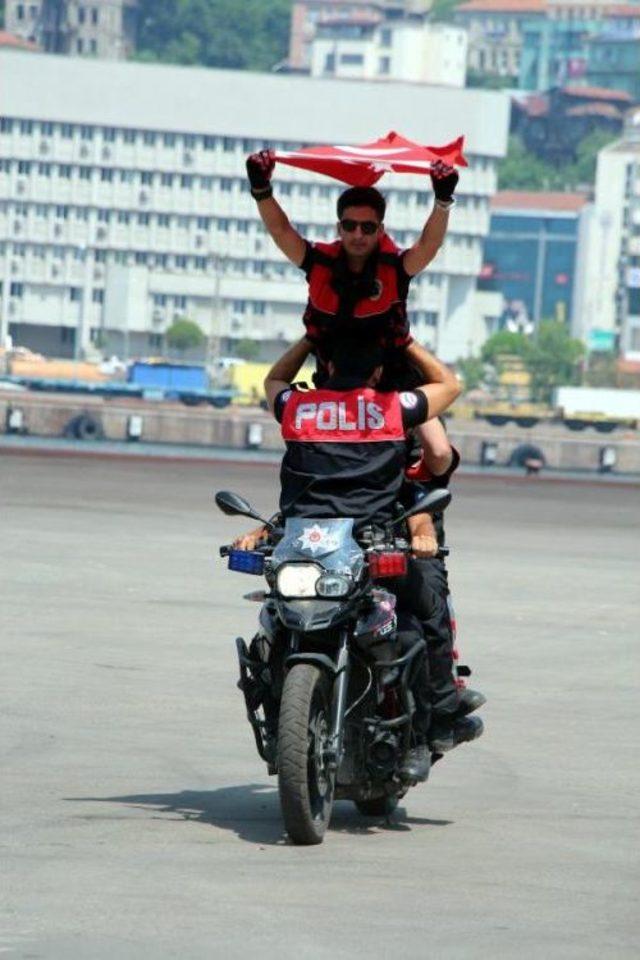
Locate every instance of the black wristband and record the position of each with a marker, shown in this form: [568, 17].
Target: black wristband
[262, 193]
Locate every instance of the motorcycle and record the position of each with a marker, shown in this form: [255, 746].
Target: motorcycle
[327, 678]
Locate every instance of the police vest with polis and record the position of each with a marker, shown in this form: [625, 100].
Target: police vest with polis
[346, 447]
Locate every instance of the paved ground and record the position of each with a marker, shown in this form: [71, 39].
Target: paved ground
[137, 821]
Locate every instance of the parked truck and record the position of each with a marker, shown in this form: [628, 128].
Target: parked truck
[575, 407]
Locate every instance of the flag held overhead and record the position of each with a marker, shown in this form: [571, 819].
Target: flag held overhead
[364, 165]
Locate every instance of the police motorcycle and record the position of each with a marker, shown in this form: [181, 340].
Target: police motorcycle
[327, 678]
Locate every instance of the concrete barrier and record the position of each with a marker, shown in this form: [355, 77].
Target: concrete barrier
[47, 415]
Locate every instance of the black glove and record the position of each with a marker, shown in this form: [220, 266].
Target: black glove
[259, 169]
[444, 179]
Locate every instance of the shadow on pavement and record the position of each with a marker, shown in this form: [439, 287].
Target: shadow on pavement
[252, 812]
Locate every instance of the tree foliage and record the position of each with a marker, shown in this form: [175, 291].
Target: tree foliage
[252, 35]
[504, 344]
[522, 170]
[472, 371]
[184, 335]
[553, 360]
[247, 349]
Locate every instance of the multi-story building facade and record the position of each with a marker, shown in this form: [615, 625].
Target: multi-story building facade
[99, 28]
[613, 54]
[495, 30]
[532, 252]
[408, 48]
[306, 15]
[610, 300]
[123, 200]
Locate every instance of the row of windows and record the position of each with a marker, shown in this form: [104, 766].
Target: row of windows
[148, 138]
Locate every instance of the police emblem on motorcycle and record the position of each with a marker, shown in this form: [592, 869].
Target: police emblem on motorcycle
[317, 538]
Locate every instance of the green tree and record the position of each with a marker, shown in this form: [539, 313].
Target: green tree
[215, 33]
[184, 335]
[553, 359]
[247, 349]
[602, 370]
[505, 344]
[523, 170]
[472, 371]
[443, 10]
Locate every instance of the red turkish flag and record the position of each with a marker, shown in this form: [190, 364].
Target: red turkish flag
[362, 166]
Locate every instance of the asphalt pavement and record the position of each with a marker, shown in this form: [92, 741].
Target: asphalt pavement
[136, 820]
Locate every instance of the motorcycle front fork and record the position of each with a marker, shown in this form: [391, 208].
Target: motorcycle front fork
[335, 746]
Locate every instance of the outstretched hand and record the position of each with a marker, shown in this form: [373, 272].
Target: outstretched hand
[444, 179]
[260, 169]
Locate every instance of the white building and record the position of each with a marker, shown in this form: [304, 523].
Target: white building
[124, 202]
[101, 28]
[411, 49]
[611, 278]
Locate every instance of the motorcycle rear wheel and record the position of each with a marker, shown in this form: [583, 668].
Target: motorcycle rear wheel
[305, 784]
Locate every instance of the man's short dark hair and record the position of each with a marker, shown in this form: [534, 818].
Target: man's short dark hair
[356, 360]
[362, 197]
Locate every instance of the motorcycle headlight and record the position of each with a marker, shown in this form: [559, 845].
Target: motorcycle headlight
[333, 585]
[298, 579]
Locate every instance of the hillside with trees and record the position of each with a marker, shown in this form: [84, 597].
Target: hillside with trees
[252, 35]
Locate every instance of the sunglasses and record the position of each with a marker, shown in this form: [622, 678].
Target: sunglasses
[368, 227]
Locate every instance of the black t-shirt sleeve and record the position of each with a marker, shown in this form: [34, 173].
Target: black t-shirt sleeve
[415, 408]
[280, 403]
[308, 260]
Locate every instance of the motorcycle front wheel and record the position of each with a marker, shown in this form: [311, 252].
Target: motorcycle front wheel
[305, 784]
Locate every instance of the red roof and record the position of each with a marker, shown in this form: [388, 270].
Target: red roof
[503, 6]
[626, 10]
[597, 93]
[537, 105]
[595, 110]
[538, 200]
[9, 40]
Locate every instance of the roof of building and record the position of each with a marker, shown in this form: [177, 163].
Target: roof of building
[503, 6]
[238, 103]
[597, 93]
[543, 200]
[606, 110]
[626, 10]
[535, 105]
[10, 41]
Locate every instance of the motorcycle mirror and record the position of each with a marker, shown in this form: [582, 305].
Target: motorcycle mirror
[233, 505]
[433, 502]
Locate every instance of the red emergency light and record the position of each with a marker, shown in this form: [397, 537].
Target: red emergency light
[390, 564]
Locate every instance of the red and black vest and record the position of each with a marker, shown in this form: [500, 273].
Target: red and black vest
[373, 304]
[345, 452]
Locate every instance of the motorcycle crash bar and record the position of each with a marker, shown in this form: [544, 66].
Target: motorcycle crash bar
[387, 564]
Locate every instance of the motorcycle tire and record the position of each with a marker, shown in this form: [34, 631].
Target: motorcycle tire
[377, 807]
[305, 785]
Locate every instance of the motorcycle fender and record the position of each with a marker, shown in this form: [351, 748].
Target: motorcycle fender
[319, 659]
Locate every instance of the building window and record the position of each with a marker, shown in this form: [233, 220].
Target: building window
[106, 175]
[100, 256]
[162, 260]
[16, 290]
[166, 179]
[228, 144]
[66, 131]
[259, 308]
[82, 214]
[146, 178]
[155, 341]
[81, 15]
[143, 219]
[85, 173]
[351, 59]
[163, 220]
[26, 127]
[86, 132]
[200, 263]
[104, 216]
[181, 262]
[93, 46]
[242, 226]
[180, 303]
[239, 306]
[169, 139]
[42, 210]
[140, 258]
[186, 181]
[149, 138]
[97, 296]
[206, 183]
[75, 294]
[385, 38]
[109, 135]
[128, 136]
[64, 170]
[62, 212]
[24, 166]
[223, 226]
[126, 176]
[159, 299]
[20, 11]
[123, 216]
[203, 223]
[384, 66]
[183, 222]
[95, 16]
[79, 45]
[6, 125]
[210, 143]
[226, 184]
[46, 129]
[189, 141]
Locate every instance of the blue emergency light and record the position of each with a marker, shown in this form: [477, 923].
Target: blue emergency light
[246, 561]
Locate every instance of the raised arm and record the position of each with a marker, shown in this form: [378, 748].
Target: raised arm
[285, 369]
[259, 170]
[440, 385]
[444, 179]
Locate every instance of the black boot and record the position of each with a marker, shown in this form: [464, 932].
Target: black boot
[470, 701]
[416, 764]
[462, 730]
